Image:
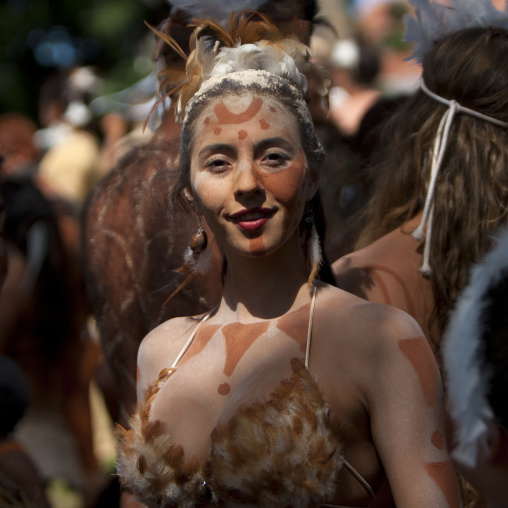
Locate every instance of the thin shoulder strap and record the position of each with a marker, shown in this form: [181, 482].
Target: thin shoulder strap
[190, 339]
[309, 329]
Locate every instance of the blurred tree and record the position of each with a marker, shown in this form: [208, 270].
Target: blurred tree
[38, 37]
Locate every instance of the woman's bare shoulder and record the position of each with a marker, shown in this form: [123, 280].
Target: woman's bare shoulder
[161, 346]
[358, 318]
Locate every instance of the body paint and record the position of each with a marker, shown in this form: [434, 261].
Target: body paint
[264, 124]
[225, 116]
[443, 473]
[295, 325]
[383, 288]
[217, 131]
[422, 359]
[257, 246]
[284, 183]
[242, 134]
[224, 389]
[239, 338]
[205, 333]
[437, 440]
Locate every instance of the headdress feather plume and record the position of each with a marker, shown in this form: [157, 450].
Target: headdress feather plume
[250, 41]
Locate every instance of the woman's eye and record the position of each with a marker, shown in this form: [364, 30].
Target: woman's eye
[276, 159]
[217, 165]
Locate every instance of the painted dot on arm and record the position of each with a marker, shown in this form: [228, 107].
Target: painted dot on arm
[437, 440]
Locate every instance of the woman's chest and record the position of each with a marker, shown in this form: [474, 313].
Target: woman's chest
[223, 369]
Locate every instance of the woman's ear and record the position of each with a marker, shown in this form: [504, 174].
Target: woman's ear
[187, 194]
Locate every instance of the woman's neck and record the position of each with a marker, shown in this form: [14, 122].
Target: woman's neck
[265, 287]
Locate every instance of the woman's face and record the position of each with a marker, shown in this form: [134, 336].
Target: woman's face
[249, 173]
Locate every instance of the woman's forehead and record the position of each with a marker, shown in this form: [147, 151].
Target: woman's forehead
[245, 107]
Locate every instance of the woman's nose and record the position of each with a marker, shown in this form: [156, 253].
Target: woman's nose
[247, 181]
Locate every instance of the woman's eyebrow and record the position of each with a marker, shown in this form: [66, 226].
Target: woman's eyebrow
[275, 141]
[216, 147]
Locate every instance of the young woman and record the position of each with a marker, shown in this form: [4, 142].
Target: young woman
[291, 392]
[456, 171]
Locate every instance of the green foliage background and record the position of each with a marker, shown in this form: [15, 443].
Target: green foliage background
[107, 34]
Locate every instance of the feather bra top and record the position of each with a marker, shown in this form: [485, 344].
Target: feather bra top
[276, 453]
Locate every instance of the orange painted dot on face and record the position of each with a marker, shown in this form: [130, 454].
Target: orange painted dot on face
[217, 131]
[242, 134]
[205, 333]
[224, 389]
[239, 338]
[418, 352]
[272, 109]
[295, 325]
[443, 473]
[264, 124]
[437, 440]
[207, 120]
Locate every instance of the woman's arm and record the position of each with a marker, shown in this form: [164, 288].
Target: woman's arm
[405, 398]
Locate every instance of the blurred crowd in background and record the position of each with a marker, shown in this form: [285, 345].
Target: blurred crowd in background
[67, 128]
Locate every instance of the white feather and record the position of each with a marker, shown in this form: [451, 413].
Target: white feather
[467, 377]
[268, 57]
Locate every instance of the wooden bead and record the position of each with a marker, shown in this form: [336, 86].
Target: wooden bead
[198, 241]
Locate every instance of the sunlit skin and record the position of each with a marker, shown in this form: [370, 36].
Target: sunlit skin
[257, 167]
[250, 180]
[386, 271]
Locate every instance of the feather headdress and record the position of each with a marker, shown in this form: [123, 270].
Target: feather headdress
[250, 42]
[467, 376]
[434, 21]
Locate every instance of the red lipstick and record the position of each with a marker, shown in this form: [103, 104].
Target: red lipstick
[252, 219]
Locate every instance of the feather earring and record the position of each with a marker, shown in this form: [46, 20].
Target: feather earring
[312, 247]
[195, 262]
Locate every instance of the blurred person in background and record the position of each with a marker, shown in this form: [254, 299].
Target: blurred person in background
[440, 183]
[70, 165]
[43, 313]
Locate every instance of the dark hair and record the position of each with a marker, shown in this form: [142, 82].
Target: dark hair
[471, 195]
[494, 320]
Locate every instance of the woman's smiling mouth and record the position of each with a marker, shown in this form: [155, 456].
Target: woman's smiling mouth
[252, 219]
